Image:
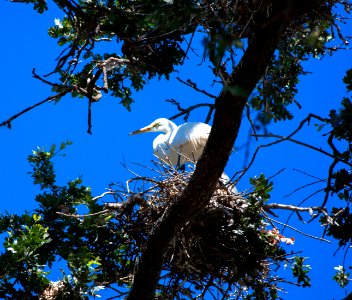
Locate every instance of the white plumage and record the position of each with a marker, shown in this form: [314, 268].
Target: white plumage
[177, 144]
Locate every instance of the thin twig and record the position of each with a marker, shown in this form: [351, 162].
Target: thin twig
[251, 121]
[328, 184]
[304, 200]
[36, 76]
[189, 44]
[85, 215]
[193, 85]
[309, 209]
[103, 195]
[89, 130]
[282, 138]
[303, 186]
[46, 100]
[187, 111]
[297, 230]
[210, 113]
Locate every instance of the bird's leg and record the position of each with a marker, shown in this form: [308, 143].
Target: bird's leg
[179, 166]
[182, 168]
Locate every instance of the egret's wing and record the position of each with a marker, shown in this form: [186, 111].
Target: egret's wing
[189, 140]
[163, 150]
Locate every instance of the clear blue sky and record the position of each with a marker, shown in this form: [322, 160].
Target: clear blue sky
[25, 44]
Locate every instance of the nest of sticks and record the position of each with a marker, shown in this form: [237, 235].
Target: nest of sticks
[225, 240]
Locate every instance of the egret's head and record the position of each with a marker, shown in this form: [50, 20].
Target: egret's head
[159, 125]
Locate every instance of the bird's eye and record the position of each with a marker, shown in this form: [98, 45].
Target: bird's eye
[156, 124]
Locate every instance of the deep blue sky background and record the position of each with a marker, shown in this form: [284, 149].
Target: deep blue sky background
[97, 158]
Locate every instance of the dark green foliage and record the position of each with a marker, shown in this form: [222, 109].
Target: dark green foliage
[341, 230]
[341, 124]
[149, 40]
[277, 90]
[348, 80]
[262, 187]
[39, 5]
[341, 121]
[341, 276]
[300, 271]
[37, 240]
[151, 35]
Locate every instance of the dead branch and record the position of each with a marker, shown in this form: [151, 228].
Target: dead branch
[76, 216]
[126, 206]
[193, 85]
[89, 118]
[297, 230]
[103, 195]
[187, 111]
[303, 186]
[251, 121]
[108, 65]
[288, 138]
[46, 100]
[309, 209]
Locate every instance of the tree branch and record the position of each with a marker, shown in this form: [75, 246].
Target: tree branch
[46, 100]
[297, 230]
[193, 85]
[309, 209]
[187, 111]
[288, 138]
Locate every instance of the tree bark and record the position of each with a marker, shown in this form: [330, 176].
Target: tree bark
[348, 297]
[227, 120]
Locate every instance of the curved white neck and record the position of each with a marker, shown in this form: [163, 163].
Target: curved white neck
[170, 128]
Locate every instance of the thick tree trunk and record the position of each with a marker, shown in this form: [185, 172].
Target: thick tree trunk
[226, 124]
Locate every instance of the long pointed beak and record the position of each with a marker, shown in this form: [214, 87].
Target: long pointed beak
[144, 129]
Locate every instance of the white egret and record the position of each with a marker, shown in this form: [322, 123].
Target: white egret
[180, 144]
[177, 144]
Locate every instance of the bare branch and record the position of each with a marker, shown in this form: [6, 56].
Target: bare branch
[89, 119]
[288, 138]
[46, 100]
[103, 195]
[128, 204]
[251, 121]
[36, 76]
[297, 230]
[309, 209]
[210, 113]
[304, 200]
[187, 111]
[189, 44]
[83, 216]
[193, 85]
[328, 184]
[304, 186]
[306, 120]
